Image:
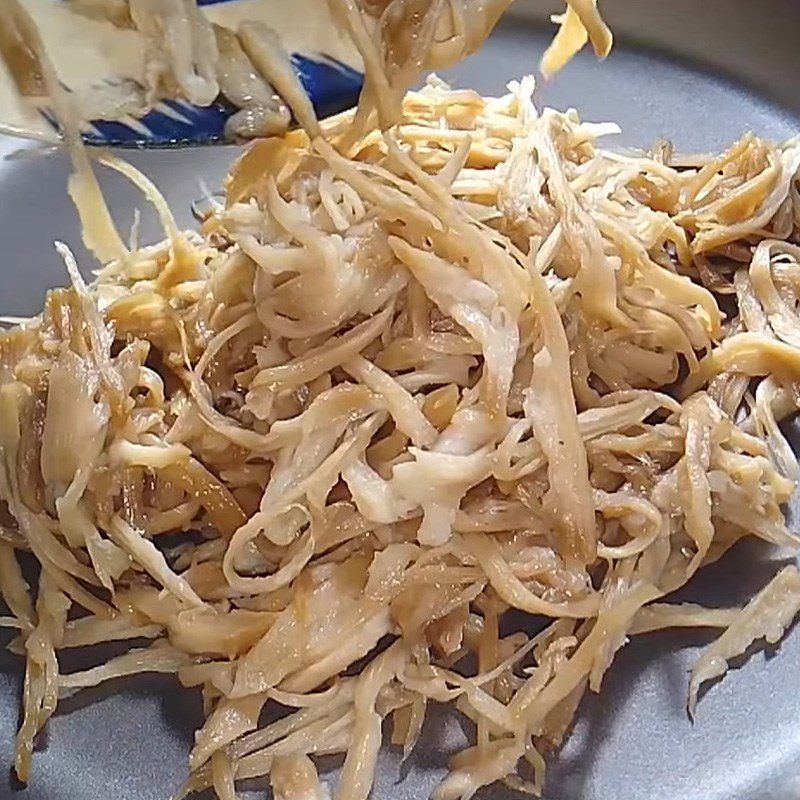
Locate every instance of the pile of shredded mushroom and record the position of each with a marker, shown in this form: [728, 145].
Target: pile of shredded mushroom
[399, 385]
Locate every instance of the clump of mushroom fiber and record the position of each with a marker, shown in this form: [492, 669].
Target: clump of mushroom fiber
[396, 388]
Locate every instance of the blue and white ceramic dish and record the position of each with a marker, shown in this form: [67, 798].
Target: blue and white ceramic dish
[332, 86]
[91, 56]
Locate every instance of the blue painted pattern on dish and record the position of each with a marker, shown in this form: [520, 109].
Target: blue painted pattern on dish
[331, 85]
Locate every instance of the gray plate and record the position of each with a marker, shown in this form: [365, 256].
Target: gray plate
[700, 73]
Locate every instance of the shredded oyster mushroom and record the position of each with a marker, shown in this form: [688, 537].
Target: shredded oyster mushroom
[186, 56]
[396, 387]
